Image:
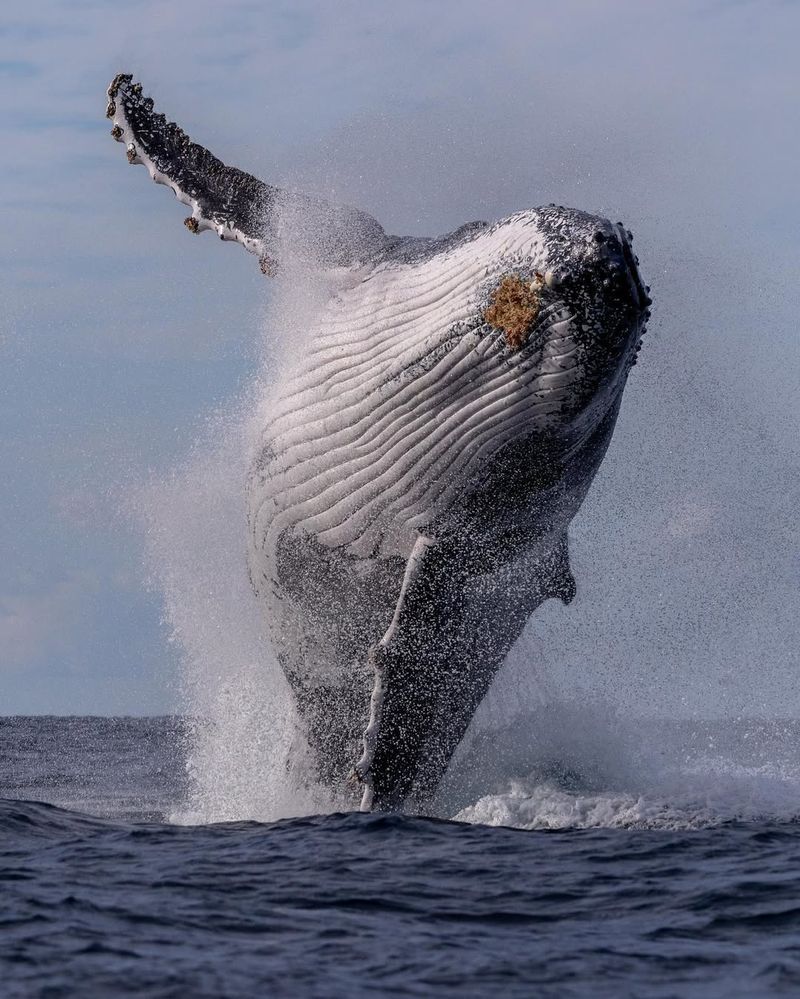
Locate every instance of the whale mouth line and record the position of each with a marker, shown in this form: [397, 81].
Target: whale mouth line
[640, 292]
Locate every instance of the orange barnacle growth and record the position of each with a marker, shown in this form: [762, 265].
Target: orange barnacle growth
[513, 308]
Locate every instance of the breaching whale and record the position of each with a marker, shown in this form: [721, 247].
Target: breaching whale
[409, 501]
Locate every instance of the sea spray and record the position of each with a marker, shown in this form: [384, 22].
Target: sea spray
[591, 764]
[246, 753]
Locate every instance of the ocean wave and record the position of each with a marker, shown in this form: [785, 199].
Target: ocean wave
[25, 819]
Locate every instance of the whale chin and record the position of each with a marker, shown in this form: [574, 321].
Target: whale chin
[409, 501]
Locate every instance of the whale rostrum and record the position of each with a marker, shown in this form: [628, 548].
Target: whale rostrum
[419, 464]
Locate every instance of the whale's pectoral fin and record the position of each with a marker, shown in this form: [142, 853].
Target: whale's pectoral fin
[452, 627]
[222, 198]
[230, 202]
[381, 657]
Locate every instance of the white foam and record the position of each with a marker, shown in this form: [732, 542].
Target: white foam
[582, 766]
[524, 805]
[528, 806]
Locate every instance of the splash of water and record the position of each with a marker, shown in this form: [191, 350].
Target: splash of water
[247, 757]
[588, 764]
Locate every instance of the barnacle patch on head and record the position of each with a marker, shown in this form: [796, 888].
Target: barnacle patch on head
[513, 307]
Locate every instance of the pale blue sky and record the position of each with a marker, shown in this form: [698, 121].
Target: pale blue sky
[119, 333]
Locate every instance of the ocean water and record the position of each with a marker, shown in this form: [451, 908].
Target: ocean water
[683, 884]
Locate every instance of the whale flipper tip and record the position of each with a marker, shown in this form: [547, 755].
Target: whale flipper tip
[224, 199]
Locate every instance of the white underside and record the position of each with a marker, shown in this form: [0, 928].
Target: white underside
[371, 442]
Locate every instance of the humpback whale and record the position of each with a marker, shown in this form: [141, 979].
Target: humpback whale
[409, 500]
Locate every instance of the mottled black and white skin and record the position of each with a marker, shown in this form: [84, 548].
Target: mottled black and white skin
[409, 502]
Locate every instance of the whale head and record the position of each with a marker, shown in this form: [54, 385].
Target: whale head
[587, 307]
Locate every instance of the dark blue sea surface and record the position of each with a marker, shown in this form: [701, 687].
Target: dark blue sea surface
[101, 896]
